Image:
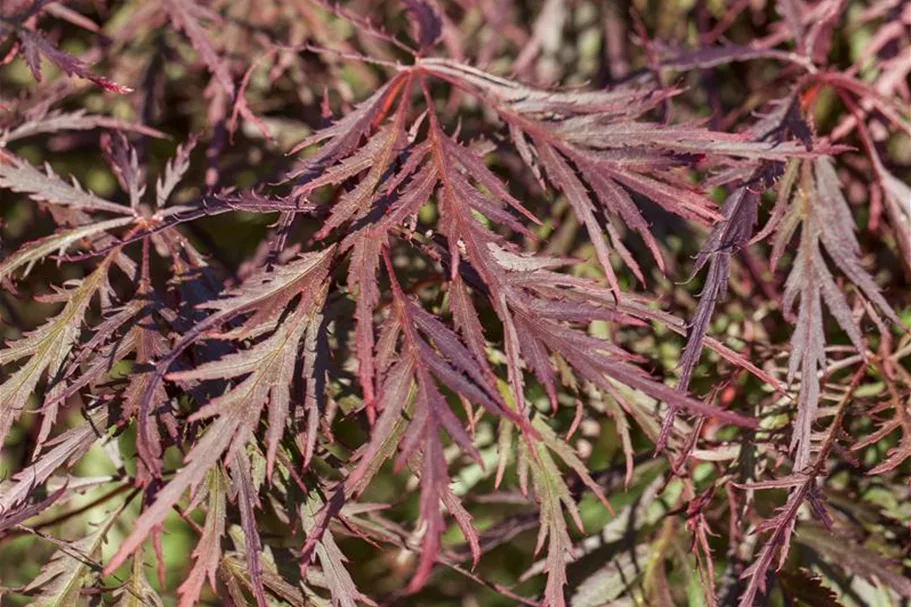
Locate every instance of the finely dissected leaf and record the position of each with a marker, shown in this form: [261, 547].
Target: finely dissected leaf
[46, 348]
[69, 447]
[901, 420]
[727, 238]
[314, 374]
[397, 392]
[803, 487]
[46, 187]
[78, 120]
[563, 176]
[186, 16]
[58, 243]
[266, 294]
[207, 553]
[855, 559]
[730, 236]
[232, 429]
[825, 220]
[424, 366]
[149, 345]
[553, 497]
[740, 211]
[345, 135]
[532, 328]
[598, 132]
[270, 366]
[174, 172]
[568, 457]
[245, 495]
[550, 492]
[62, 579]
[269, 370]
[595, 360]
[365, 261]
[124, 162]
[457, 171]
[34, 46]
[10, 517]
[374, 157]
[232, 571]
[137, 592]
[332, 562]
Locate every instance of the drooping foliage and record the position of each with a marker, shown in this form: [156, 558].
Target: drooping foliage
[549, 303]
